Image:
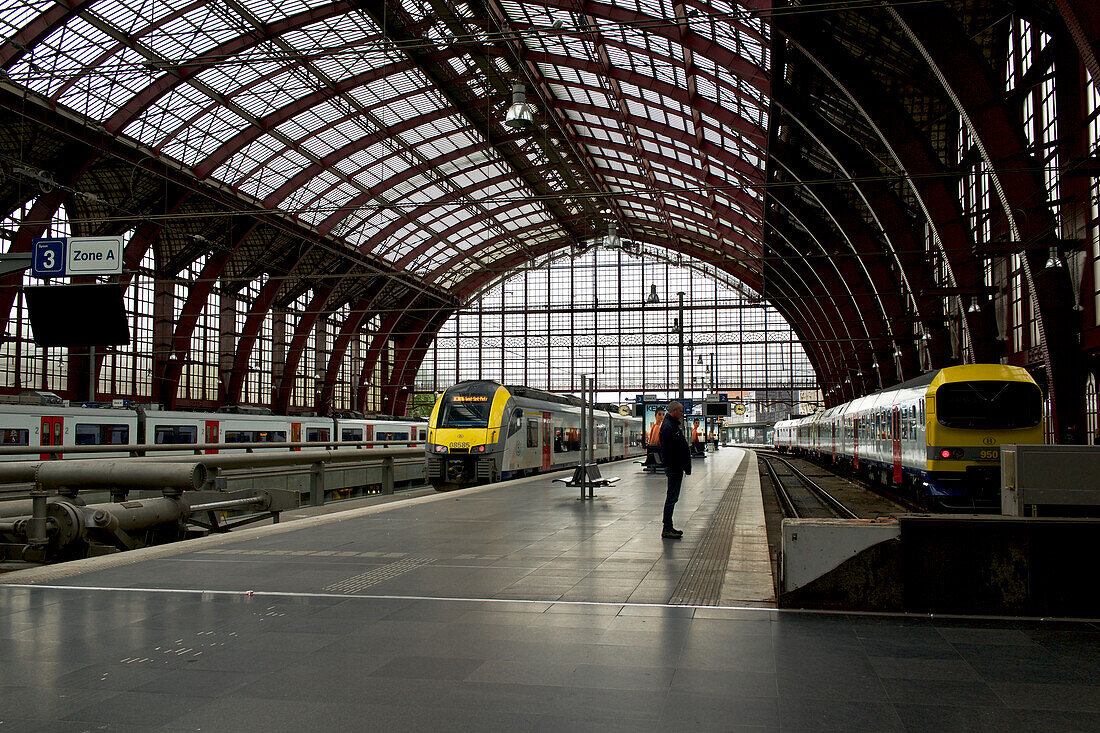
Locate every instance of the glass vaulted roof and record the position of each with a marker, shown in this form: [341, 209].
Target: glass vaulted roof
[381, 124]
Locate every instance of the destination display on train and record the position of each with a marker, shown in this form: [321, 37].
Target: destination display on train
[470, 398]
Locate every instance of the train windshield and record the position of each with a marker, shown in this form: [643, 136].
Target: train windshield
[989, 405]
[466, 406]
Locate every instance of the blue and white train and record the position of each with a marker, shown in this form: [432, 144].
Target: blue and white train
[936, 437]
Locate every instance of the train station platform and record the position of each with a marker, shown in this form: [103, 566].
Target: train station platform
[513, 606]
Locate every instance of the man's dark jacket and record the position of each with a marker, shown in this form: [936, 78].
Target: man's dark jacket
[674, 448]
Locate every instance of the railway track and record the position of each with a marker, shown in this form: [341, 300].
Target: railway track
[799, 495]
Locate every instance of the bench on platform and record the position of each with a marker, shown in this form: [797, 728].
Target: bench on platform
[594, 478]
[652, 460]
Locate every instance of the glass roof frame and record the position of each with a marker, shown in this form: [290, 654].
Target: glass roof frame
[305, 173]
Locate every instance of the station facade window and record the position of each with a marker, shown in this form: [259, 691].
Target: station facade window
[556, 318]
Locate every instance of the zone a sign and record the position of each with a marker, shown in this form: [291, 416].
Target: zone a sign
[95, 256]
[58, 256]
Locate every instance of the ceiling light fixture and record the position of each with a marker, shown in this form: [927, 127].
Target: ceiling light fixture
[612, 241]
[1054, 262]
[520, 115]
[974, 307]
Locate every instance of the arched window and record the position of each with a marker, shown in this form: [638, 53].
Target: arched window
[1092, 418]
[613, 314]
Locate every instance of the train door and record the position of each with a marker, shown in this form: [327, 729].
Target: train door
[296, 433]
[51, 432]
[897, 445]
[368, 434]
[855, 443]
[546, 458]
[213, 435]
[834, 440]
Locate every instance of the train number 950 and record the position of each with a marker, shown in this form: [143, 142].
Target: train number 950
[989, 453]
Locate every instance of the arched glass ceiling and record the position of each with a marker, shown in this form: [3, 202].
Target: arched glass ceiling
[381, 123]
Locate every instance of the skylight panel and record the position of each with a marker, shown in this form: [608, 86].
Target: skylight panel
[191, 35]
[270, 10]
[105, 93]
[246, 160]
[430, 193]
[229, 78]
[61, 56]
[14, 14]
[196, 142]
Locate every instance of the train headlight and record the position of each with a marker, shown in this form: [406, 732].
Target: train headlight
[478, 449]
[945, 453]
[437, 448]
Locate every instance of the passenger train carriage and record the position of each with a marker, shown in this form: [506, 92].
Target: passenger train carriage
[937, 437]
[57, 426]
[481, 432]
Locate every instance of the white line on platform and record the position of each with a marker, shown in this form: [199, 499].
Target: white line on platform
[618, 604]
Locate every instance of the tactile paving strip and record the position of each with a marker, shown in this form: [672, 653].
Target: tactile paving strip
[362, 581]
[701, 582]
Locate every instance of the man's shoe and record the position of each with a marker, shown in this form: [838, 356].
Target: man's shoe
[671, 534]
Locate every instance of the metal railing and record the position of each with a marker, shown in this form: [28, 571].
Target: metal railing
[312, 454]
[50, 521]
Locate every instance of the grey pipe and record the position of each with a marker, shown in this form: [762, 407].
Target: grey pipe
[228, 504]
[133, 515]
[121, 473]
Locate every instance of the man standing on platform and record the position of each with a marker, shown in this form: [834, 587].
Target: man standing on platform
[677, 460]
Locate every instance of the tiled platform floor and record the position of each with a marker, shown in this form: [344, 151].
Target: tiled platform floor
[513, 607]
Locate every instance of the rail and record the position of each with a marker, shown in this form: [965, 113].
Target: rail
[822, 496]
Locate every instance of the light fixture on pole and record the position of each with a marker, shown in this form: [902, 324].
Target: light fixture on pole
[521, 115]
[680, 332]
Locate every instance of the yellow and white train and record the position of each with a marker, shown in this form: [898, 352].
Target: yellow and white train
[936, 437]
[481, 431]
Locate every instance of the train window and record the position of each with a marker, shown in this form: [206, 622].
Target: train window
[618, 433]
[423, 433]
[175, 434]
[255, 436]
[516, 424]
[15, 436]
[89, 434]
[601, 434]
[466, 406]
[532, 433]
[559, 440]
[351, 433]
[989, 405]
[391, 435]
[316, 435]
